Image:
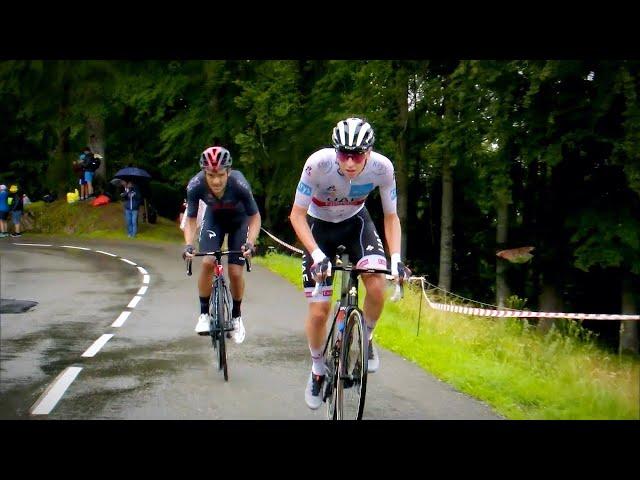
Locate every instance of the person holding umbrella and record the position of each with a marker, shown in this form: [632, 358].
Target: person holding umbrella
[130, 177]
[231, 210]
[132, 198]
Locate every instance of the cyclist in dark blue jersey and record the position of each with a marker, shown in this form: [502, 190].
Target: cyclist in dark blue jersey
[231, 210]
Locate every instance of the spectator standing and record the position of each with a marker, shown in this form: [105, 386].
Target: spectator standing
[78, 169]
[17, 207]
[4, 210]
[132, 198]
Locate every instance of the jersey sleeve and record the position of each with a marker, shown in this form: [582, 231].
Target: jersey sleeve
[306, 184]
[193, 195]
[246, 196]
[388, 190]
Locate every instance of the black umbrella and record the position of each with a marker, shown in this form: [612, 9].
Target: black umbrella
[132, 174]
[135, 175]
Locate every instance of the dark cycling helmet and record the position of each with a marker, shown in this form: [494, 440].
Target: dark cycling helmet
[215, 158]
[353, 135]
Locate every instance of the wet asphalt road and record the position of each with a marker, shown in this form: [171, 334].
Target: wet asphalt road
[155, 366]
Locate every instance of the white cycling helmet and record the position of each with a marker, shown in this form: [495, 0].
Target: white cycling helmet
[353, 135]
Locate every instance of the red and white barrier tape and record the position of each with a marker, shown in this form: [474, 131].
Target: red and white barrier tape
[486, 312]
[491, 312]
[290, 247]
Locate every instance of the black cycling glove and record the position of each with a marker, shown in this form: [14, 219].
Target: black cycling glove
[187, 249]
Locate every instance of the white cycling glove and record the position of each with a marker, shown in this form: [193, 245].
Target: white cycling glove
[395, 260]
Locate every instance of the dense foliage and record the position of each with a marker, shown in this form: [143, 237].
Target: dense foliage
[549, 151]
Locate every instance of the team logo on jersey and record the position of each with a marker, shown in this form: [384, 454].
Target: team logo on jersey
[211, 233]
[379, 168]
[308, 170]
[331, 189]
[325, 166]
[194, 182]
[304, 189]
[379, 242]
[360, 190]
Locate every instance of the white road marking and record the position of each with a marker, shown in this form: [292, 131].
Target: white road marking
[54, 392]
[34, 244]
[134, 301]
[121, 319]
[97, 345]
[106, 253]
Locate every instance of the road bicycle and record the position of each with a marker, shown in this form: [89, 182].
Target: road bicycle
[220, 321]
[346, 350]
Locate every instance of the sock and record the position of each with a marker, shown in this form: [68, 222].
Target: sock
[318, 367]
[235, 311]
[204, 304]
[370, 327]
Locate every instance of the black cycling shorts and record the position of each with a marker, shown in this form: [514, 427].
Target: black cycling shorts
[363, 245]
[213, 232]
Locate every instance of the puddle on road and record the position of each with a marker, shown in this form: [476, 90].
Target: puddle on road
[130, 374]
[10, 305]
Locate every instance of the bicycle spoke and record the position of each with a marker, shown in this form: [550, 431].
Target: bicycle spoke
[352, 380]
[332, 351]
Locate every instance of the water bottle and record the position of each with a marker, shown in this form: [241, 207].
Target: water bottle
[340, 320]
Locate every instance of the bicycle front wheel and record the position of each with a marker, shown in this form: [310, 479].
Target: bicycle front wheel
[331, 357]
[352, 369]
[219, 321]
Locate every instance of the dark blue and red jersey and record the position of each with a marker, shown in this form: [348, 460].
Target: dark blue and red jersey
[237, 200]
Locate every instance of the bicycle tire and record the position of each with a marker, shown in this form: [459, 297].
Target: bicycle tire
[224, 318]
[329, 394]
[351, 386]
[217, 330]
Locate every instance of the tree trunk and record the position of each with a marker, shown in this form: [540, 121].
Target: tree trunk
[628, 328]
[400, 162]
[95, 135]
[446, 226]
[59, 171]
[502, 287]
[271, 187]
[549, 301]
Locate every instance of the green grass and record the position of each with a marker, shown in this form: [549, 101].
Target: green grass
[505, 362]
[83, 220]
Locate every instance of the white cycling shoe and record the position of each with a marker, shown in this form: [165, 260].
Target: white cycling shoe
[374, 359]
[202, 327]
[239, 332]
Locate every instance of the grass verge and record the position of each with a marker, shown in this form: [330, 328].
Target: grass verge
[505, 362]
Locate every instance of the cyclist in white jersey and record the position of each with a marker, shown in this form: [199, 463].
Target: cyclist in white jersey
[329, 211]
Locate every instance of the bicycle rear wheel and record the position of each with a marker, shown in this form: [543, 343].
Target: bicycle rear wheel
[351, 386]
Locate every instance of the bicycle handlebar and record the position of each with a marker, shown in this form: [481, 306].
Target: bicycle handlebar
[217, 253]
[399, 291]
